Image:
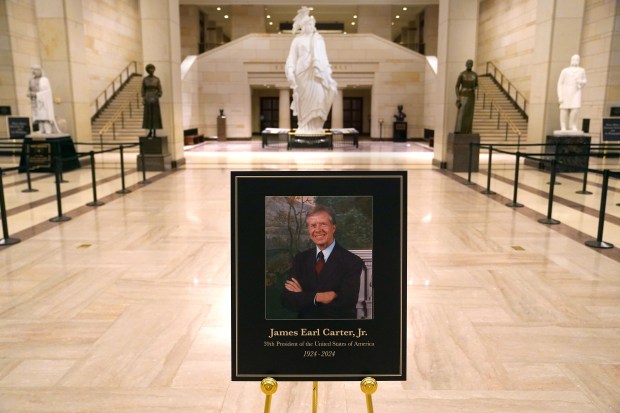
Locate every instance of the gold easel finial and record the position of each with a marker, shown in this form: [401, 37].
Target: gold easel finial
[268, 386]
[369, 386]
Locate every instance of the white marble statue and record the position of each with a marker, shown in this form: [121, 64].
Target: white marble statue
[310, 75]
[572, 80]
[42, 100]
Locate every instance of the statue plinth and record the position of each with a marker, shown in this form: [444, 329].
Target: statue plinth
[568, 133]
[155, 153]
[457, 152]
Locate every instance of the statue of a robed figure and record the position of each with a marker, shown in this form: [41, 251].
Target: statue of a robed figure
[308, 70]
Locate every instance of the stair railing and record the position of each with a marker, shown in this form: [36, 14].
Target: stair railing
[128, 109]
[104, 98]
[494, 109]
[508, 88]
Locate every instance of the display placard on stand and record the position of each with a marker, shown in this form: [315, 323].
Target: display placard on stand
[269, 233]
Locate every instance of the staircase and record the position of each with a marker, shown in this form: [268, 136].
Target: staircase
[121, 120]
[490, 99]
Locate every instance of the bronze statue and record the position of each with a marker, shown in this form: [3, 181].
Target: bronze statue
[400, 115]
[466, 86]
[151, 92]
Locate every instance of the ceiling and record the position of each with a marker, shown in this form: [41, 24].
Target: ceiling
[344, 13]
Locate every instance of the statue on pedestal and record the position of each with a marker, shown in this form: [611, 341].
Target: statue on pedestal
[572, 80]
[310, 75]
[466, 86]
[151, 92]
[42, 101]
[400, 115]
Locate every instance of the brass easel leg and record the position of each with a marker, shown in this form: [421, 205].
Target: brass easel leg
[369, 386]
[315, 396]
[269, 387]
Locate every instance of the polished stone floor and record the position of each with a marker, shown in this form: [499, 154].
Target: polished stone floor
[126, 306]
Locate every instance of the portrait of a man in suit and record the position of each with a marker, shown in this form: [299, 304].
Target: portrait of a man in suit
[324, 281]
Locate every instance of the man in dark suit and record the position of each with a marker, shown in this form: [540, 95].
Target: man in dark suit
[325, 280]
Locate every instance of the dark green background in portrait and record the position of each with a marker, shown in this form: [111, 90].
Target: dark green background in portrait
[252, 359]
[286, 235]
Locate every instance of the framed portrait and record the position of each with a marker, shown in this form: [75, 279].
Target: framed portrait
[319, 275]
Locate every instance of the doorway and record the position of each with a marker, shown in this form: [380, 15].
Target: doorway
[269, 112]
[353, 113]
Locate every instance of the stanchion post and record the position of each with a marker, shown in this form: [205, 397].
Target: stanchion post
[95, 202]
[599, 243]
[58, 172]
[268, 386]
[143, 163]
[488, 190]
[471, 162]
[584, 191]
[514, 203]
[369, 386]
[548, 220]
[6, 239]
[123, 189]
[28, 177]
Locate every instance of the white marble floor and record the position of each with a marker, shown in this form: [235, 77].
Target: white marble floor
[126, 307]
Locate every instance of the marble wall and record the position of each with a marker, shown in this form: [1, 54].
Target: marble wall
[112, 35]
[506, 36]
[396, 75]
[19, 50]
[599, 39]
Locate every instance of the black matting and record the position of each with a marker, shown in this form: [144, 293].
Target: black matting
[264, 345]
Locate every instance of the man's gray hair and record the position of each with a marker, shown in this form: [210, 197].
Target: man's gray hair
[322, 208]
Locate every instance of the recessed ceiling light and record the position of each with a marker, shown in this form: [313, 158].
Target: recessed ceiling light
[355, 16]
[219, 8]
[226, 16]
[352, 23]
[397, 16]
[405, 8]
[269, 16]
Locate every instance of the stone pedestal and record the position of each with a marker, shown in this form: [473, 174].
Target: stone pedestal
[399, 132]
[457, 152]
[40, 150]
[572, 153]
[221, 127]
[155, 152]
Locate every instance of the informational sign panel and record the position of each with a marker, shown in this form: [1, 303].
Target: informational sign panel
[19, 127]
[611, 129]
[39, 155]
[299, 316]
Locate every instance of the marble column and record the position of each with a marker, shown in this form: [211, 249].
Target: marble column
[63, 59]
[337, 110]
[458, 23]
[557, 38]
[284, 112]
[161, 46]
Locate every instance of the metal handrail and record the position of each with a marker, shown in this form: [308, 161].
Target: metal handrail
[120, 113]
[510, 87]
[500, 115]
[110, 91]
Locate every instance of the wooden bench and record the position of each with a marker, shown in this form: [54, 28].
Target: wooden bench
[192, 137]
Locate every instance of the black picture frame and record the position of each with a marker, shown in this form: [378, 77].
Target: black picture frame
[296, 349]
